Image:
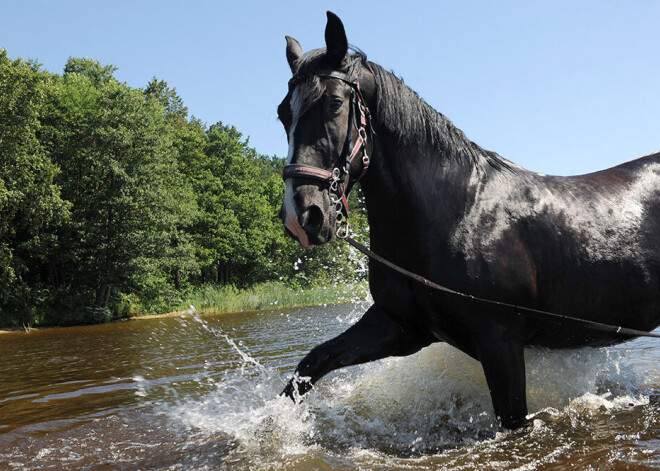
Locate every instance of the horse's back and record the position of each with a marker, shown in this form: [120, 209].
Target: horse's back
[609, 270]
[604, 215]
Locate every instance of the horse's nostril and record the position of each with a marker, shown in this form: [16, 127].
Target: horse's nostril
[312, 220]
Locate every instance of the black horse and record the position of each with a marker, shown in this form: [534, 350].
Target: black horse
[443, 207]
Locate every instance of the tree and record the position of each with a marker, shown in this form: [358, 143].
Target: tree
[92, 69]
[187, 143]
[109, 194]
[120, 173]
[30, 202]
[171, 102]
[234, 226]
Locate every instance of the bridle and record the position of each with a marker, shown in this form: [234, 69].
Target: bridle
[359, 119]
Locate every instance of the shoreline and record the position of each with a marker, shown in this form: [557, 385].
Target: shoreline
[201, 311]
[13, 330]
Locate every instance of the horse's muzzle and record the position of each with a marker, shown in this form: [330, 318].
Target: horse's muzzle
[312, 220]
[306, 215]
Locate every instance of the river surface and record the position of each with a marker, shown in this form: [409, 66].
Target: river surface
[201, 392]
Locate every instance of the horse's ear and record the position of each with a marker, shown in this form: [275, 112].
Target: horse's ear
[335, 39]
[293, 52]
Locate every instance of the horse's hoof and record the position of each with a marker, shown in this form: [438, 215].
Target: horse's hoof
[296, 388]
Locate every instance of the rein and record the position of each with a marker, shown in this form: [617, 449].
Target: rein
[536, 313]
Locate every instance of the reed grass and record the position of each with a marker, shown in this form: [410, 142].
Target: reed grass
[272, 295]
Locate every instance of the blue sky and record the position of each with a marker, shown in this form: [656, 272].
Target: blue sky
[557, 86]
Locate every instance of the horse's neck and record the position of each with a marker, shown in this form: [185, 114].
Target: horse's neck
[414, 192]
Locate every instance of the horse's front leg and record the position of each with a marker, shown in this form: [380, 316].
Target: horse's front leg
[376, 335]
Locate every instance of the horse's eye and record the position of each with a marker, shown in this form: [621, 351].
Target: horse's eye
[335, 103]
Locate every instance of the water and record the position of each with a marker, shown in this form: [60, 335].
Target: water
[202, 393]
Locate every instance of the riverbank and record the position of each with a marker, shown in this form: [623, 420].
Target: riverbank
[272, 295]
[264, 296]
[228, 299]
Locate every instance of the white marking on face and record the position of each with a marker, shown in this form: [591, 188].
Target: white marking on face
[295, 103]
[290, 213]
[292, 146]
[291, 217]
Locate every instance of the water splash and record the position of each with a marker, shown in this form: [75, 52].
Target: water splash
[408, 408]
[247, 359]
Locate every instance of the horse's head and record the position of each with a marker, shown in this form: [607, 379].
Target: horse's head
[326, 118]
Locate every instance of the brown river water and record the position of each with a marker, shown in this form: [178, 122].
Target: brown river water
[201, 392]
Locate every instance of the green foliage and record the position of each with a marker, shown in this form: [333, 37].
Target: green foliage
[172, 104]
[92, 69]
[30, 202]
[271, 295]
[120, 172]
[115, 203]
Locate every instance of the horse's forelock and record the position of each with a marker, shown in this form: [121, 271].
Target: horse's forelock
[305, 95]
[309, 88]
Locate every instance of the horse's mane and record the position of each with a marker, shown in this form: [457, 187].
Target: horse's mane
[402, 112]
[406, 115]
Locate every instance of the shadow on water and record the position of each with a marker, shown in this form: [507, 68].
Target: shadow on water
[203, 393]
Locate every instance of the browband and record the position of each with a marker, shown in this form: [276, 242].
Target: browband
[351, 77]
